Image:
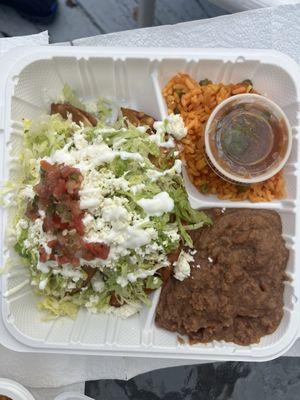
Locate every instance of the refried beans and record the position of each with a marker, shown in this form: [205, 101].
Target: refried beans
[235, 288]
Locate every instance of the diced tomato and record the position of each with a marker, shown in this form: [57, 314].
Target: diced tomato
[60, 188]
[46, 166]
[39, 188]
[52, 243]
[75, 261]
[66, 171]
[47, 223]
[74, 207]
[58, 224]
[99, 250]
[57, 194]
[78, 225]
[43, 254]
[62, 259]
[88, 255]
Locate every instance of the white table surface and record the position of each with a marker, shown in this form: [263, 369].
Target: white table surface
[276, 28]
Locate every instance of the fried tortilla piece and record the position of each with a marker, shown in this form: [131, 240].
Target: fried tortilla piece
[137, 118]
[90, 273]
[114, 301]
[78, 115]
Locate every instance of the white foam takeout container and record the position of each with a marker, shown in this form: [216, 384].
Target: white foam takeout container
[30, 78]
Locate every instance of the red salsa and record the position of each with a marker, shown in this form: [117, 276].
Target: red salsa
[57, 194]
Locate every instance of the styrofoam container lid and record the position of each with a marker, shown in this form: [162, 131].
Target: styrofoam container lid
[72, 396]
[14, 390]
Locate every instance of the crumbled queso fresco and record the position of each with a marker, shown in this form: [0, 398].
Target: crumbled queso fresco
[182, 267]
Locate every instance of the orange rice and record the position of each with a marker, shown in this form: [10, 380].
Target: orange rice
[195, 102]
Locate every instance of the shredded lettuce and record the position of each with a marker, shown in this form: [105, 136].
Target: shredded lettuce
[19, 245]
[134, 291]
[41, 138]
[108, 111]
[115, 135]
[57, 308]
[141, 144]
[153, 282]
[69, 96]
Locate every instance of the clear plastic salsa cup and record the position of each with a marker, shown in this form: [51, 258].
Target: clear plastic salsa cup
[248, 139]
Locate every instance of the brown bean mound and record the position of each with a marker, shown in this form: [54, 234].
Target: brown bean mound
[235, 290]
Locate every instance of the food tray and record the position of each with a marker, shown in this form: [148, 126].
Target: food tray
[134, 77]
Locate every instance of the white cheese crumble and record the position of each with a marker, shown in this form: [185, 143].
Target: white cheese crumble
[87, 219]
[28, 192]
[182, 267]
[159, 137]
[36, 237]
[175, 126]
[141, 129]
[119, 228]
[79, 140]
[87, 156]
[97, 283]
[42, 214]
[173, 235]
[122, 281]
[68, 271]
[113, 210]
[158, 205]
[98, 184]
[71, 285]
[43, 284]
[172, 125]
[141, 273]
[21, 224]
